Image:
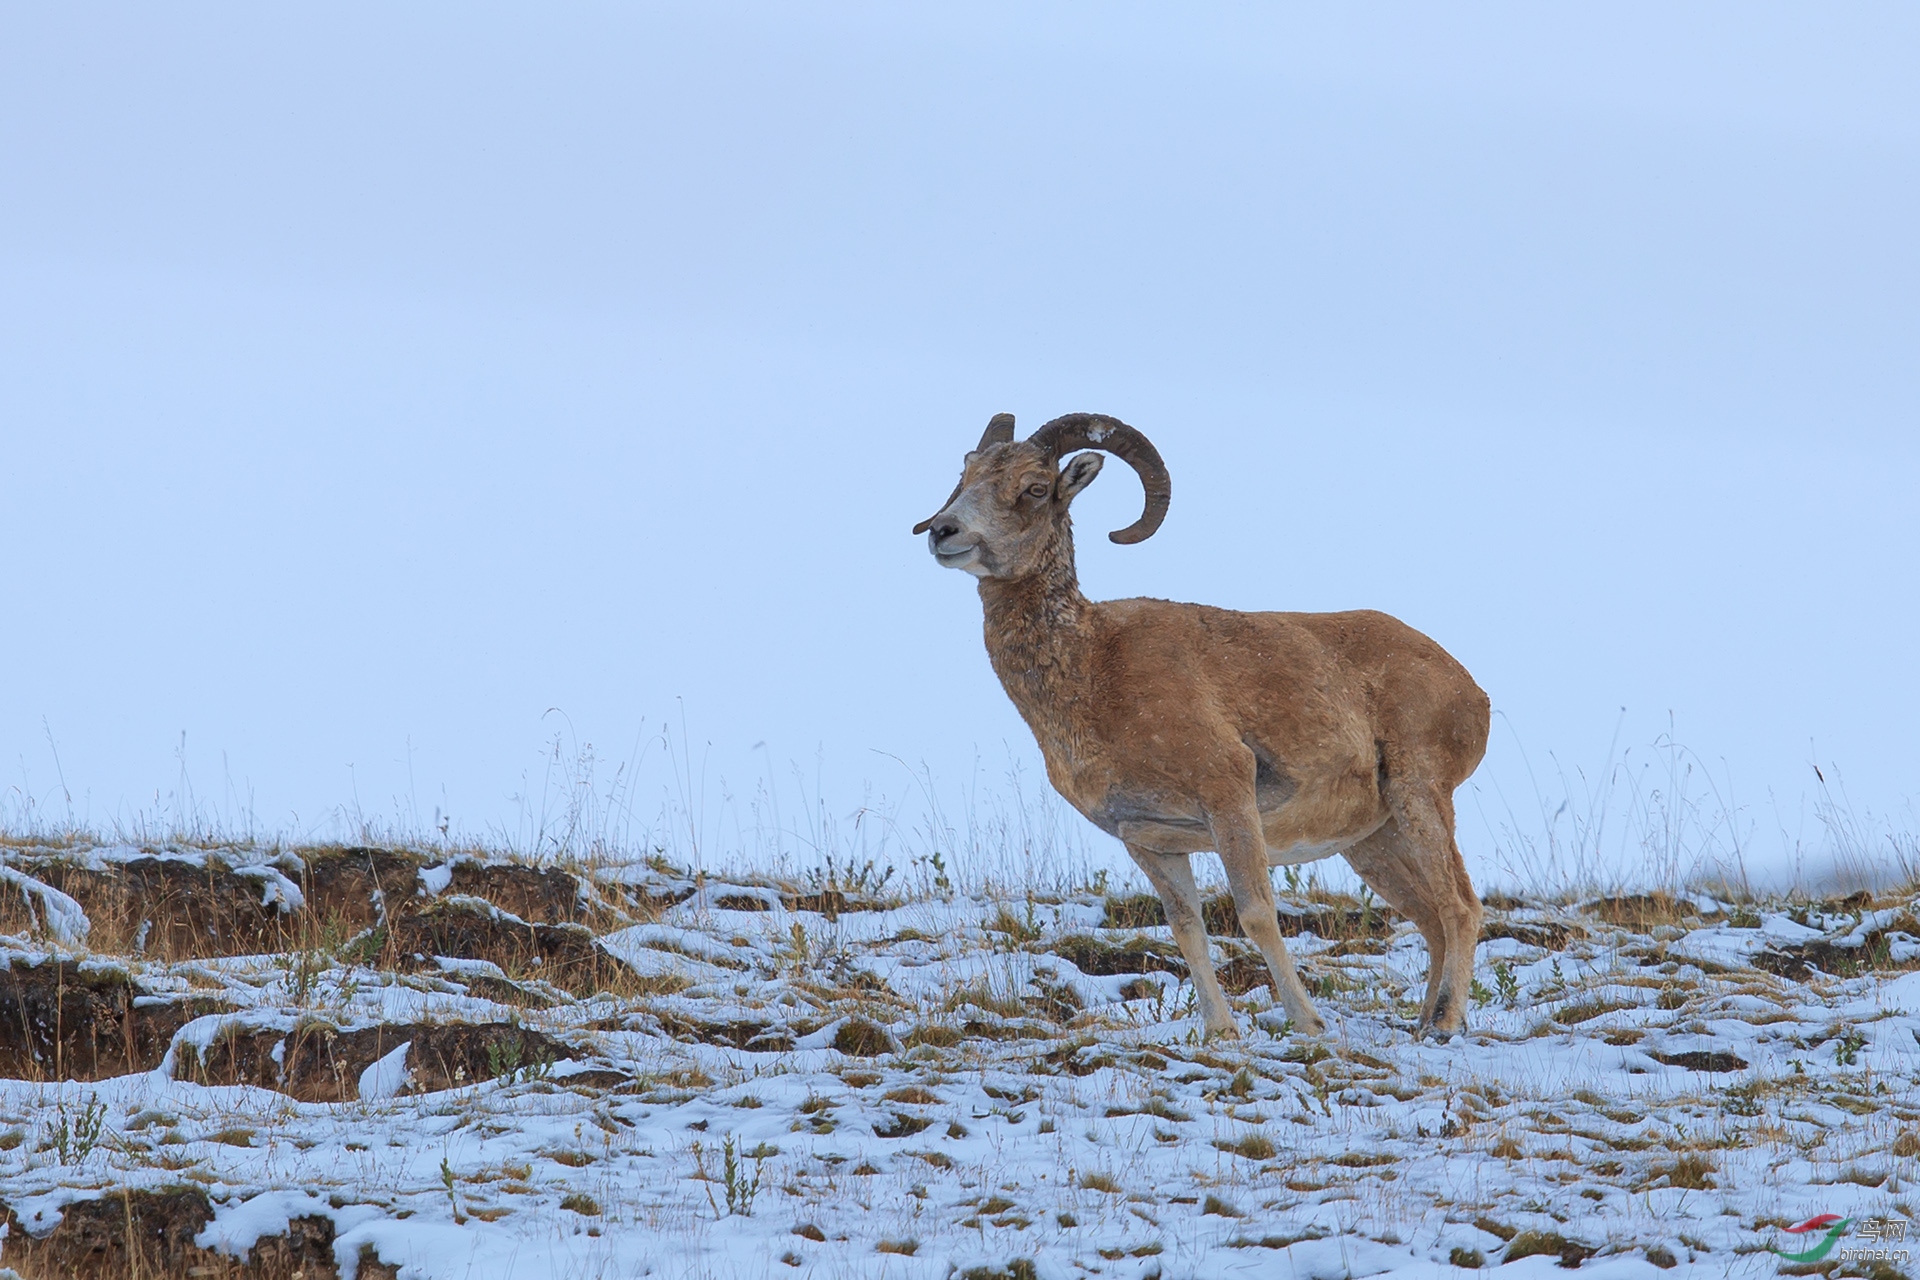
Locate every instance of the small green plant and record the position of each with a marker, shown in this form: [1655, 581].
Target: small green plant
[1847, 1047]
[453, 1199]
[736, 1186]
[941, 884]
[505, 1060]
[836, 883]
[364, 948]
[1507, 985]
[75, 1134]
[303, 968]
[1481, 996]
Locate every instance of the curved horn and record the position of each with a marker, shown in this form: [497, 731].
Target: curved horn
[1097, 431]
[999, 431]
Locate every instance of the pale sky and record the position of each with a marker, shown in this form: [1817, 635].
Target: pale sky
[374, 380]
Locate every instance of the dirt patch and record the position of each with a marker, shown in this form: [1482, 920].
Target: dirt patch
[859, 1038]
[1322, 919]
[744, 1033]
[59, 1021]
[1703, 1060]
[1788, 964]
[1548, 937]
[645, 903]
[1588, 1010]
[1642, 911]
[176, 909]
[901, 1126]
[1105, 959]
[1335, 922]
[150, 1234]
[172, 908]
[349, 885]
[319, 1063]
[1135, 911]
[1081, 1058]
[1330, 920]
[1873, 955]
[1527, 1244]
[1240, 974]
[541, 895]
[1692, 1171]
[502, 991]
[832, 903]
[465, 928]
[1238, 971]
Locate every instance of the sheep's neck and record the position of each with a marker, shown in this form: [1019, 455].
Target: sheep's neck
[1037, 640]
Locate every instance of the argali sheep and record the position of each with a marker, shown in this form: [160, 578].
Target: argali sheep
[1271, 738]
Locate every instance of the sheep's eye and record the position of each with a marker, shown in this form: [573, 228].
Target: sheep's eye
[1039, 490]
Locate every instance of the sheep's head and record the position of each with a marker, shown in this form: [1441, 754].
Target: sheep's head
[1013, 495]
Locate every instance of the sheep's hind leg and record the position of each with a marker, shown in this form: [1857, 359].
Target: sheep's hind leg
[1413, 863]
[1243, 852]
[1388, 864]
[1425, 816]
[1171, 875]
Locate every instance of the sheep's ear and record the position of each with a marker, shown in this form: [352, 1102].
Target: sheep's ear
[1078, 474]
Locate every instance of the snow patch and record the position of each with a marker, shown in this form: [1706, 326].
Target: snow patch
[387, 1077]
[62, 915]
[275, 889]
[239, 1225]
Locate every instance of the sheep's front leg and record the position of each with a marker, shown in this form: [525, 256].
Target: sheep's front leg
[1171, 875]
[1243, 852]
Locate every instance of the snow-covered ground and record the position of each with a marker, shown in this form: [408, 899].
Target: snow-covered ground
[938, 1088]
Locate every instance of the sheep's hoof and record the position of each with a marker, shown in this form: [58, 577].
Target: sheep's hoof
[1439, 1035]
